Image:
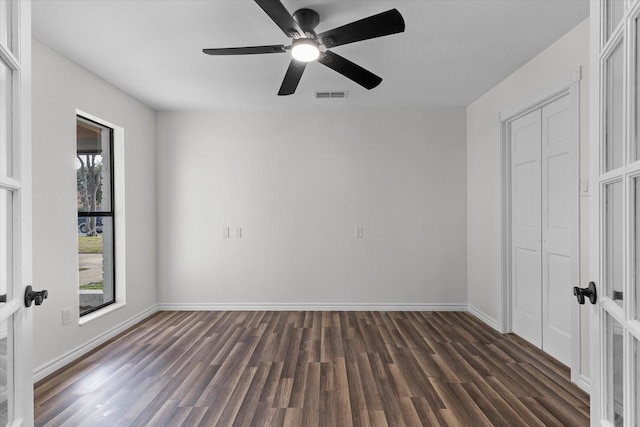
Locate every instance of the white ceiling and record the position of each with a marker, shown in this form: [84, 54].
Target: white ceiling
[451, 53]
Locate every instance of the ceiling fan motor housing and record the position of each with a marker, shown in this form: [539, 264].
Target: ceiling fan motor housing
[308, 19]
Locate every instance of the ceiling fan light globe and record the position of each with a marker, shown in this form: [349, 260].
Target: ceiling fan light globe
[305, 50]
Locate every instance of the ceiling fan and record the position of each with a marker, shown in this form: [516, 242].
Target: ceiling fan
[307, 46]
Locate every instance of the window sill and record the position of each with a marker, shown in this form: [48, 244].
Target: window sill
[102, 312]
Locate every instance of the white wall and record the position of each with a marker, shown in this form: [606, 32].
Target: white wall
[527, 85]
[298, 183]
[59, 88]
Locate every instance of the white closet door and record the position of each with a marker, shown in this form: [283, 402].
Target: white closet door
[526, 227]
[556, 229]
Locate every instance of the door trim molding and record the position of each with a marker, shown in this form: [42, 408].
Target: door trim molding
[570, 87]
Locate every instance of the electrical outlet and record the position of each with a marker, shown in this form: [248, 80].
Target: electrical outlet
[224, 232]
[66, 316]
[238, 232]
[359, 232]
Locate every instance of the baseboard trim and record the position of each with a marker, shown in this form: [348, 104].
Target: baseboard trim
[585, 384]
[47, 369]
[311, 307]
[484, 317]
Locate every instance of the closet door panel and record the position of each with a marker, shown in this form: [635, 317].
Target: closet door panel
[556, 229]
[526, 310]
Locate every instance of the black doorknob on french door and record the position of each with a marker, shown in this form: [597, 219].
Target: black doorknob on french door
[588, 292]
[31, 296]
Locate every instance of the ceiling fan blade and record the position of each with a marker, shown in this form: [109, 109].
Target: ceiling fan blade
[350, 70]
[292, 77]
[382, 24]
[281, 16]
[251, 50]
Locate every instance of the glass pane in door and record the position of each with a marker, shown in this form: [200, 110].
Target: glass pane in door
[636, 146]
[636, 386]
[5, 26]
[5, 119]
[613, 103]
[614, 241]
[636, 247]
[615, 371]
[5, 374]
[6, 261]
[614, 13]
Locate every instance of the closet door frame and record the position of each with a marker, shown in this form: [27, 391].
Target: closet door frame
[569, 88]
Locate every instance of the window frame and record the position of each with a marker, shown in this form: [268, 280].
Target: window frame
[103, 213]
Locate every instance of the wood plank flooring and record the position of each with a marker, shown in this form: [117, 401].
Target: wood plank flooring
[312, 369]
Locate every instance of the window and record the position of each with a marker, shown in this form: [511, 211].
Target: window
[95, 200]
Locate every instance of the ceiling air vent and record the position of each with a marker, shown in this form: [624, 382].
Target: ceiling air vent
[330, 95]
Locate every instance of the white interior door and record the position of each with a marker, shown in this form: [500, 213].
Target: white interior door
[16, 372]
[541, 218]
[525, 137]
[557, 194]
[615, 213]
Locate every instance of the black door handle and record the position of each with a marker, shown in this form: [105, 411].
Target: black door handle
[589, 292]
[31, 296]
[3, 298]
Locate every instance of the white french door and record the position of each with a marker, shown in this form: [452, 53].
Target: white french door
[16, 372]
[541, 218]
[615, 212]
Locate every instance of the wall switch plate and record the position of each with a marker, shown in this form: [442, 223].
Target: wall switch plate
[359, 232]
[238, 232]
[66, 316]
[224, 232]
[584, 187]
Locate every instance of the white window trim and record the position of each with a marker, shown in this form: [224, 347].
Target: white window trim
[119, 221]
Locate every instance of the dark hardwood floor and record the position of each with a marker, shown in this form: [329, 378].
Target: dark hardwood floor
[312, 369]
